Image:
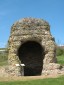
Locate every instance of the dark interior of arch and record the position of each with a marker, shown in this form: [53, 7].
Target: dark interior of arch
[31, 54]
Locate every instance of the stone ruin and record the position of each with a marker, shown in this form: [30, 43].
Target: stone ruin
[31, 44]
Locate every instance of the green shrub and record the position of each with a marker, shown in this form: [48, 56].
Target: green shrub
[60, 59]
[59, 51]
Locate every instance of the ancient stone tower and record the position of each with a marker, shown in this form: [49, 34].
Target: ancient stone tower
[32, 44]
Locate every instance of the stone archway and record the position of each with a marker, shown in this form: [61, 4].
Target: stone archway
[38, 32]
[31, 54]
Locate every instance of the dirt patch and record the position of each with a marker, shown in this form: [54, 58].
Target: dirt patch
[28, 78]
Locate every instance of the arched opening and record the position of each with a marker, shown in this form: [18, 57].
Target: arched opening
[31, 54]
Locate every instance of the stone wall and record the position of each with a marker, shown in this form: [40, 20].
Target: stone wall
[31, 29]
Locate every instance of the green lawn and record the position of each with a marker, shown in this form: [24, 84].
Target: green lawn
[49, 81]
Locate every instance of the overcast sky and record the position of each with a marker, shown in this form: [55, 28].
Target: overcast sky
[49, 10]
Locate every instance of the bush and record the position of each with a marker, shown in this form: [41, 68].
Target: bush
[59, 51]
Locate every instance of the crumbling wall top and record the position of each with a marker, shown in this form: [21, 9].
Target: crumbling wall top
[30, 23]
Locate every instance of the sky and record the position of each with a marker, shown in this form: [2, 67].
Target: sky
[50, 10]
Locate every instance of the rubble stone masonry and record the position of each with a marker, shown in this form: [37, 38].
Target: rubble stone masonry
[31, 43]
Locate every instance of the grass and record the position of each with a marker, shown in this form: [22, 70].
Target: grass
[60, 59]
[3, 58]
[2, 63]
[49, 81]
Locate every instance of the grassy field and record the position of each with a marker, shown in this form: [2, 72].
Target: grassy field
[49, 81]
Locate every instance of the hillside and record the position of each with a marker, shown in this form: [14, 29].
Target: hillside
[3, 56]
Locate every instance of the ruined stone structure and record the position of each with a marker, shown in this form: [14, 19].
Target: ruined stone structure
[32, 44]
